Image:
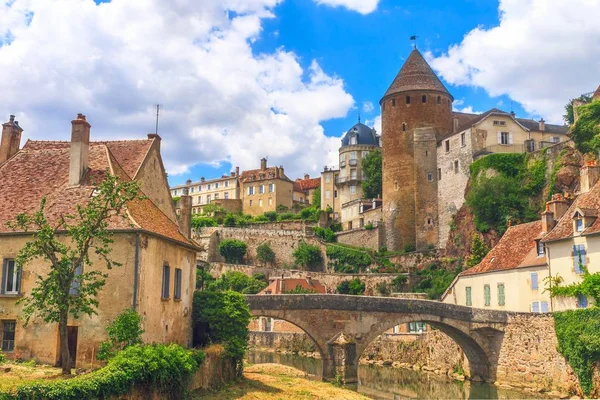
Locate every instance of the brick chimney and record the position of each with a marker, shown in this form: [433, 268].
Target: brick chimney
[548, 220]
[306, 176]
[185, 218]
[80, 149]
[263, 164]
[11, 139]
[588, 176]
[542, 125]
[237, 171]
[558, 206]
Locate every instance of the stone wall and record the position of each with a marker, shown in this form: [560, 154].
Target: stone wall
[286, 342]
[330, 280]
[371, 239]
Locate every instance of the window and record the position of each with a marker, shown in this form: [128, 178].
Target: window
[403, 127]
[582, 301]
[579, 225]
[352, 174]
[352, 139]
[456, 166]
[353, 155]
[226, 184]
[364, 154]
[544, 306]
[261, 189]
[208, 198]
[447, 144]
[260, 202]
[192, 189]
[504, 138]
[424, 98]
[534, 281]
[250, 203]
[11, 277]
[177, 287]
[487, 294]
[271, 187]
[8, 335]
[463, 140]
[335, 194]
[439, 174]
[199, 188]
[469, 302]
[327, 178]
[353, 189]
[208, 186]
[327, 194]
[439, 99]
[501, 294]
[430, 177]
[174, 192]
[270, 201]
[535, 307]
[499, 123]
[407, 99]
[76, 281]
[393, 102]
[416, 327]
[554, 139]
[540, 248]
[166, 281]
[217, 185]
[226, 195]
[579, 258]
[250, 190]
[216, 196]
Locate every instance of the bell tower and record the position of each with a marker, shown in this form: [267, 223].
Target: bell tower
[416, 110]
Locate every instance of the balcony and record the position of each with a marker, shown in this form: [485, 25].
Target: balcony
[353, 162]
[340, 180]
[342, 164]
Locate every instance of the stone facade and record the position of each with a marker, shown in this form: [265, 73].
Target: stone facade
[329, 192]
[361, 237]
[223, 191]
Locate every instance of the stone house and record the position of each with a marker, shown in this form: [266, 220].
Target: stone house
[265, 189]
[510, 277]
[157, 276]
[329, 191]
[223, 191]
[307, 186]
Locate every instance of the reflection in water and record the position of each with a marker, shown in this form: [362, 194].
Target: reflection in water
[391, 383]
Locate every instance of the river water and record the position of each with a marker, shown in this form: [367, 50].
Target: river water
[386, 383]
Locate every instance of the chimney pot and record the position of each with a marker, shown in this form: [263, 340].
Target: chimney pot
[12, 118]
[263, 164]
[306, 176]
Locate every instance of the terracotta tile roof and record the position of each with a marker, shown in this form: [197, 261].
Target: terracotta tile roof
[516, 249]
[41, 169]
[416, 74]
[589, 204]
[308, 184]
[280, 286]
[254, 175]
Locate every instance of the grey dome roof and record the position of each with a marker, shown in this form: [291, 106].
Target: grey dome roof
[364, 135]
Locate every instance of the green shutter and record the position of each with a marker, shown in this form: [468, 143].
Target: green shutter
[486, 293]
[468, 294]
[501, 294]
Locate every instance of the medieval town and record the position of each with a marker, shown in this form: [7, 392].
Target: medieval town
[245, 249]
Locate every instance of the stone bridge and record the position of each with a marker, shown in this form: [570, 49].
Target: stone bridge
[342, 326]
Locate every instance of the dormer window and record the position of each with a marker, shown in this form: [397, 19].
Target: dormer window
[579, 225]
[352, 140]
[540, 248]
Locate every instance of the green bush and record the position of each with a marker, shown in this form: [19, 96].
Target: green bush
[478, 251]
[578, 334]
[224, 317]
[261, 218]
[233, 250]
[308, 255]
[271, 215]
[436, 280]
[397, 283]
[265, 254]
[310, 214]
[2, 358]
[230, 220]
[124, 331]
[325, 233]
[288, 216]
[237, 282]
[166, 368]
[336, 227]
[586, 131]
[383, 289]
[354, 287]
[369, 226]
[201, 222]
[347, 260]
[409, 248]
[203, 278]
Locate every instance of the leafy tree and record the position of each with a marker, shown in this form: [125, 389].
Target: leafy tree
[310, 214]
[316, 198]
[203, 278]
[308, 255]
[299, 290]
[233, 250]
[265, 254]
[230, 220]
[237, 282]
[271, 215]
[569, 115]
[201, 222]
[87, 231]
[435, 280]
[371, 166]
[354, 287]
[124, 331]
[325, 233]
[223, 317]
[478, 251]
[586, 131]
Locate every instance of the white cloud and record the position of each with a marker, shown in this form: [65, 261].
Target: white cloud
[360, 6]
[375, 123]
[542, 53]
[467, 109]
[220, 102]
[368, 107]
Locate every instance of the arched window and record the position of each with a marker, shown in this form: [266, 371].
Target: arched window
[424, 98]
[439, 99]
[407, 99]
[404, 127]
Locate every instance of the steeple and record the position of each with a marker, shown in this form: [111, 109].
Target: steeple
[416, 74]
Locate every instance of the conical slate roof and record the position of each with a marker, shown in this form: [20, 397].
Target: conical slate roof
[416, 74]
[364, 135]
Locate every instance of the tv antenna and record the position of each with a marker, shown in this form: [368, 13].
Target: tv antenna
[157, 113]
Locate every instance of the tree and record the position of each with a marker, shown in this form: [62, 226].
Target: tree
[569, 115]
[307, 255]
[316, 198]
[478, 251]
[354, 287]
[372, 183]
[233, 250]
[586, 131]
[237, 282]
[124, 331]
[265, 254]
[70, 287]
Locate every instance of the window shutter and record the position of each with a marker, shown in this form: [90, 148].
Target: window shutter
[19, 275]
[4, 275]
[499, 137]
[544, 306]
[534, 281]
[535, 307]
[510, 138]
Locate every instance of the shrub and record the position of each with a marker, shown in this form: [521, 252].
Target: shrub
[436, 280]
[398, 281]
[287, 216]
[369, 226]
[230, 220]
[354, 287]
[271, 215]
[203, 278]
[409, 248]
[201, 222]
[237, 282]
[124, 331]
[347, 260]
[261, 218]
[336, 227]
[325, 233]
[308, 255]
[166, 368]
[282, 208]
[310, 214]
[224, 318]
[233, 250]
[265, 254]
[299, 290]
[383, 289]
[586, 131]
[2, 358]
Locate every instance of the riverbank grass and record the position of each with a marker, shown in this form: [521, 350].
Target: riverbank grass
[274, 382]
[15, 374]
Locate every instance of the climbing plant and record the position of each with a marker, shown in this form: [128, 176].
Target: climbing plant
[348, 260]
[586, 131]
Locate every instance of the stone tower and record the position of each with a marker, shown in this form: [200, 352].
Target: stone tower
[416, 110]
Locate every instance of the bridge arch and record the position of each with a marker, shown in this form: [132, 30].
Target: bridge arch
[343, 326]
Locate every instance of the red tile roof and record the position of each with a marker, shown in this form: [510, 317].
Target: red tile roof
[416, 74]
[308, 184]
[281, 286]
[516, 249]
[41, 169]
[254, 175]
[589, 204]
